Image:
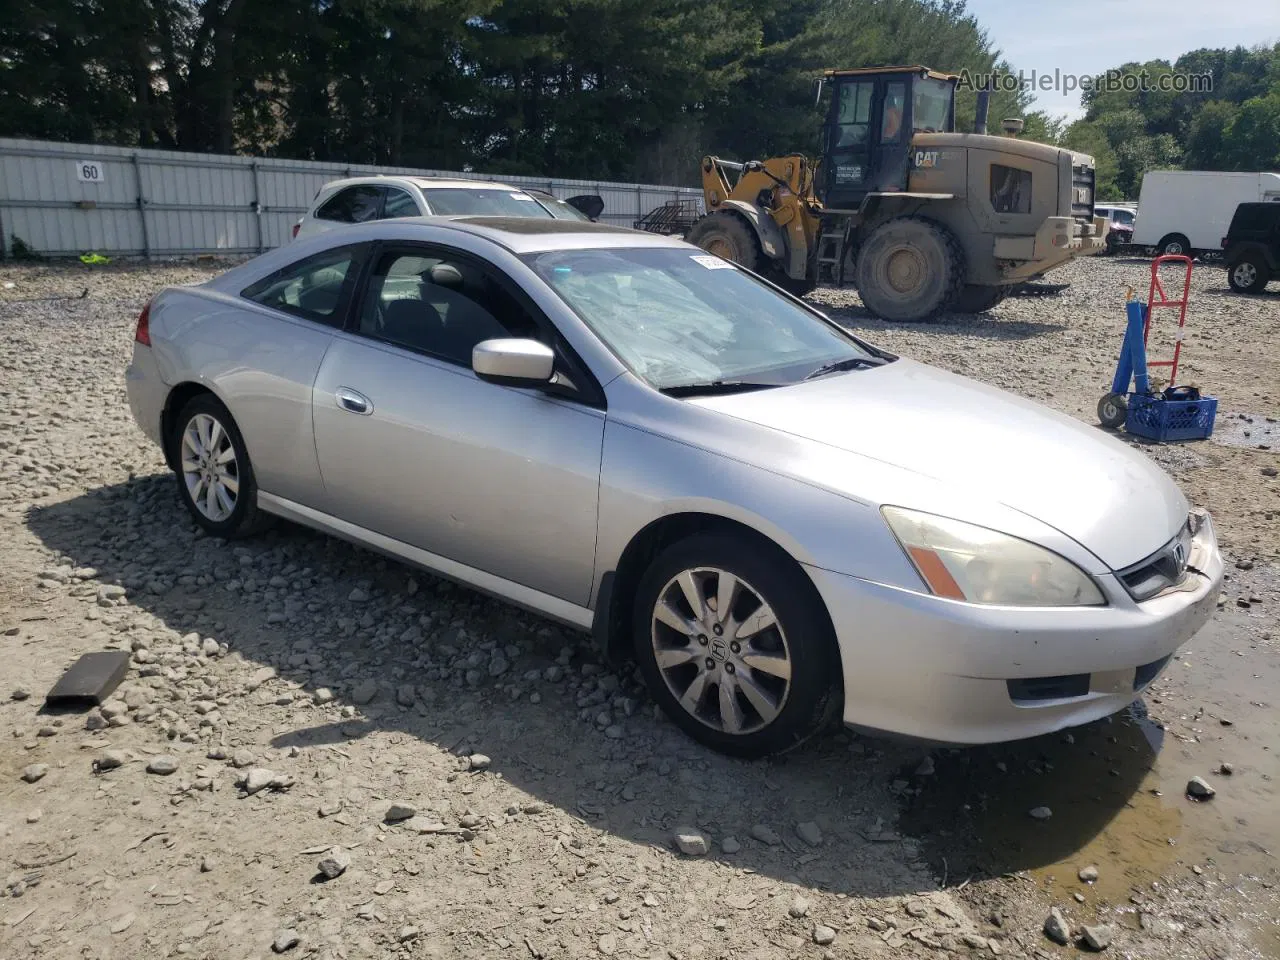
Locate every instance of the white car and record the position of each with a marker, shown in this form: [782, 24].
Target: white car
[362, 199]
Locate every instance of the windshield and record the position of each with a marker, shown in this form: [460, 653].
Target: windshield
[1122, 217]
[483, 202]
[677, 317]
[560, 209]
[931, 105]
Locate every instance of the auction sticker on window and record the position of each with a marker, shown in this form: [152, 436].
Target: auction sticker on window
[521, 196]
[712, 263]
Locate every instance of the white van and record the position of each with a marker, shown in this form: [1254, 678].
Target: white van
[1188, 211]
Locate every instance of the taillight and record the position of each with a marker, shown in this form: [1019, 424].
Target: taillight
[1223, 244]
[142, 333]
[296, 227]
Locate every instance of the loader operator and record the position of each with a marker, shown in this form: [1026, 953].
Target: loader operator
[892, 117]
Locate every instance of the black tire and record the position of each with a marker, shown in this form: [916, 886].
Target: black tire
[1113, 409]
[1249, 274]
[796, 287]
[909, 268]
[978, 299]
[244, 519]
[727, 235]
[1174, 244]
[1111, 244]
[804, 635]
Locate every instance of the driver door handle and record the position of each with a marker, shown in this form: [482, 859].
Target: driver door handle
[354, 402]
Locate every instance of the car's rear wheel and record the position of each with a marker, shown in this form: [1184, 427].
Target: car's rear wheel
[1174, 244]
[735, 645]
[1248, 275]
[909, 269]
[215, 478]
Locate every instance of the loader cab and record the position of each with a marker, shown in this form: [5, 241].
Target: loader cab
[871, 116]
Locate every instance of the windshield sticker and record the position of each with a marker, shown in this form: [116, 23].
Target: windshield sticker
[521, 196]
[712, 263]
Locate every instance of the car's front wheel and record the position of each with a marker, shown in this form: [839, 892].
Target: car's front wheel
[735, 644]
[215, 478]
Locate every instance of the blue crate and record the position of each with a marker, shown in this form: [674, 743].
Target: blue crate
[1163, 420]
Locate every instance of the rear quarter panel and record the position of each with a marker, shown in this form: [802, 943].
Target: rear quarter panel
[261, 364]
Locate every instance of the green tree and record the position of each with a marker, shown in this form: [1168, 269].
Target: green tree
[1253, 139]
[1207, 137]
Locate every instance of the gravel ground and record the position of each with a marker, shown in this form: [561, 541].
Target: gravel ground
[319, 751]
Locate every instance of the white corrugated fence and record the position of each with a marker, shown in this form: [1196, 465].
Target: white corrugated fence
[65, 199]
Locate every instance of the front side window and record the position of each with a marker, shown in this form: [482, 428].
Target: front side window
[352, 205]
[439, 304]
[483, 202]
[1010, 189]
[313, 288]
[399, 204]
[895, 100]
[931, 106]
[677, 318]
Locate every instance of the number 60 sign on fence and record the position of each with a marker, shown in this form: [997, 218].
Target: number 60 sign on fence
[89, 171]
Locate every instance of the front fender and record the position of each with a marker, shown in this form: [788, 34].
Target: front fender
[772, 241]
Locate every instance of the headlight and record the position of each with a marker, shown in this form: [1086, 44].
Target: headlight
[965, 562]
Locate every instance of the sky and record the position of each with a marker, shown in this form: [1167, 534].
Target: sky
[1090, 36]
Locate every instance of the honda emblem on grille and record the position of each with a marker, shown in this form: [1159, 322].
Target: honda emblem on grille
[1180, 554]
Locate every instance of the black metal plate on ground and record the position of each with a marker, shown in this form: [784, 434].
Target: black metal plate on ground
[90, 680]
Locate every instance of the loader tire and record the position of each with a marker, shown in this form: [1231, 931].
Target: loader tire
[728, 236]
[909, 269]
[977, 299]
[796, 286]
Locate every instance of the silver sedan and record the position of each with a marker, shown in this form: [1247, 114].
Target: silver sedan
[780, 522]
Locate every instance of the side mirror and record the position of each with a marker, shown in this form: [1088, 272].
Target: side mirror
[513, 362]
[446, 275]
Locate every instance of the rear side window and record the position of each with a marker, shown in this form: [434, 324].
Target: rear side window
[484, 202]
[352, 205]
[1252, 218]
[314, 288]
[1010, 189]
[399, 204]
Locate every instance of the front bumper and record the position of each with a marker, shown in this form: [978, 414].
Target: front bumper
[940, 670]
[1058, 240]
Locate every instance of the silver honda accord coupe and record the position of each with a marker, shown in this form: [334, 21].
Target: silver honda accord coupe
[776, 519]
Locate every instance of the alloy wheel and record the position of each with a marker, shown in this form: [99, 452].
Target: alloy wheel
[1245, 274]
[721, 650]
[210, 470]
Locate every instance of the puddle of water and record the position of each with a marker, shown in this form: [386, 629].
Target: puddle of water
[1254, 430]
[1117, 788]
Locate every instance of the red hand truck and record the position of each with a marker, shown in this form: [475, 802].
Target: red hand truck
[1157, 289]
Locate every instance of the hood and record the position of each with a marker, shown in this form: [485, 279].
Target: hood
[1108, 497]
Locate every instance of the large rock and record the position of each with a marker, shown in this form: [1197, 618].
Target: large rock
[1056, 927]
[334, 864]
[1099, 937]
[691, 842]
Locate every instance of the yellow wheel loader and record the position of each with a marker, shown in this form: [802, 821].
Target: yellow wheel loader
[919, 218]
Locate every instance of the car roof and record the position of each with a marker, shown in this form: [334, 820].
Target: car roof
[421, 182]
[519, 235]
